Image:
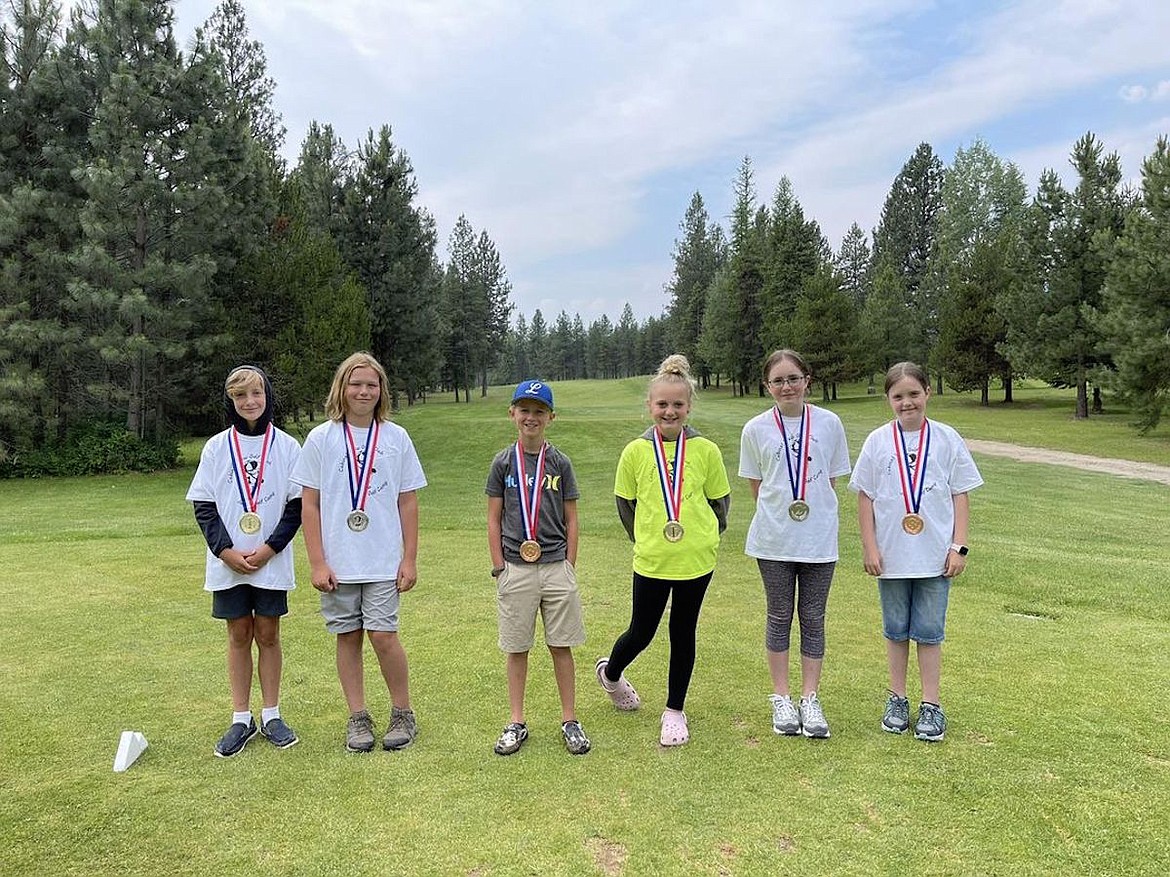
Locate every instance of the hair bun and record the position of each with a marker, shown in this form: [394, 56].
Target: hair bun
[675, 364]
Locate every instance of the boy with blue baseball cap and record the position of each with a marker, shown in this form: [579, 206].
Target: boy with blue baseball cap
[532, 536]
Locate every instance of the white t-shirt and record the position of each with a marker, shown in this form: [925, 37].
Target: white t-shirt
[773, 535]
[215, 482]
[949, 471]
[375, 553]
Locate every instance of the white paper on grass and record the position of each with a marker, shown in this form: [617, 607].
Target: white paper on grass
[130, 746]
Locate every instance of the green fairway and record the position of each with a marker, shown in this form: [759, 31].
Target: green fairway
[1057, 756]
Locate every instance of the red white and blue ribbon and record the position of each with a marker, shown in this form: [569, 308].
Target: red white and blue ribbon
[529, 497]
[360, 469]
[912, 478]
[249, 494]
[672, 485]
[798, 478]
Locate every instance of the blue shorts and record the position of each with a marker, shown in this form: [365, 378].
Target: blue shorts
[244, 601]
[914, 609]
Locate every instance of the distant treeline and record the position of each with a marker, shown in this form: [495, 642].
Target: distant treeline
[967, 275]
[152, 237]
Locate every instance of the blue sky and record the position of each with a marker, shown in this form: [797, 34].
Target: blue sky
[575, 133]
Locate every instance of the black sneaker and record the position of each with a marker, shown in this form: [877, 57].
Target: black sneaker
[235, 738]
[575, 740]
[513, 737]
[279, 734]
[897, 716]
[931, 724]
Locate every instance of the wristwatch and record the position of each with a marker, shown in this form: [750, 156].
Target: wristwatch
[496, 570]
[960, 550]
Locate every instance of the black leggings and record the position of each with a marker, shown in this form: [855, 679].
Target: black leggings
[650, 597]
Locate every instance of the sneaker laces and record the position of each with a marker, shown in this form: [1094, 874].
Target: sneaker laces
[812, 708]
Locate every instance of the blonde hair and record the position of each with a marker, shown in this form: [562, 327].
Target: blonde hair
[243, 379]
[335, 402]
[675, 369]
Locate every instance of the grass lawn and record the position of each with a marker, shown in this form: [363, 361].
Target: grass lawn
[1057, 757]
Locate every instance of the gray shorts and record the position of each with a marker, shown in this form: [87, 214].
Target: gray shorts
[362, 606]
[525, 589]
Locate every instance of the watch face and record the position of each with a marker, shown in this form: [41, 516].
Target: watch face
[963, 550]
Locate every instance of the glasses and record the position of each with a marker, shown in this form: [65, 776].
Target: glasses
[790, 381]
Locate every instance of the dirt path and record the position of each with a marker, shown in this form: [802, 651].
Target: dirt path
[1124, 468]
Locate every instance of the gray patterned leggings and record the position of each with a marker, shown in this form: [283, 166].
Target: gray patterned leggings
[781, 580]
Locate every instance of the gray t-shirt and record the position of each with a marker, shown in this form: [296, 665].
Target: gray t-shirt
[560, 484]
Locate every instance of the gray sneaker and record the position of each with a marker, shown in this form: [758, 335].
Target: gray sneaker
[897, 716]
[359, 733]
[785, 718]
[402, 729]
[931, 724]
[812, 718]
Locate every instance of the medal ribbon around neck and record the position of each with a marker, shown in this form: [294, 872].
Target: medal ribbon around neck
[529, 501]
[364, 468]
[249, 496]
[797, 480]
[672, 487]
[912, 480]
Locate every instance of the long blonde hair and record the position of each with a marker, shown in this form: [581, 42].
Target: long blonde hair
[675, 369]
[335, 408]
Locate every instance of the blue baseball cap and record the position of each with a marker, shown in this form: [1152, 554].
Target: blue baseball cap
[538, 390]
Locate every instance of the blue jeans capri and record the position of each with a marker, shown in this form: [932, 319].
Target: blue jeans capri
[914, 609]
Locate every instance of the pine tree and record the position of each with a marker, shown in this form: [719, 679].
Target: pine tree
[1138, 295]
[390, 244]
[699, 253]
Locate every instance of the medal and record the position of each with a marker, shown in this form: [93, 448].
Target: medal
[912, 480]
[798, 477]
[361, 472]
[529, 500]
[250, 522]
[671, 482]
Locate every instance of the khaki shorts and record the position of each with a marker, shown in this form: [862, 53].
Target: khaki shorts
[523, 589]
[364, 606]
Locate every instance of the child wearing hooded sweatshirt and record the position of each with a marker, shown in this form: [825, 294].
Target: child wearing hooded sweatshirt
[249, 511]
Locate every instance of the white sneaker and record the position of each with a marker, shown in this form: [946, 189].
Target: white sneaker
[785, 718]
[812, 717]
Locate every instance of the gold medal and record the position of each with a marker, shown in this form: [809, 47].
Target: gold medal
[913, 524]
[530, 551]
[250, 523]
[673, 531]
[798, 510]
[357, 520]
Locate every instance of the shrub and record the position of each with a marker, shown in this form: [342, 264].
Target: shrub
[93, 449]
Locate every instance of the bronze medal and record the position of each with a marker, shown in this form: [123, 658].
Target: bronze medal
[913, 524]
[798, 510]
[673, 531]
[357, 520]
[250, 523]
[530, 551]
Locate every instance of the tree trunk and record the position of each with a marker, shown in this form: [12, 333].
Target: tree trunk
[1007, 387]
[1098, 406]
[985, 394]
[1082, 400]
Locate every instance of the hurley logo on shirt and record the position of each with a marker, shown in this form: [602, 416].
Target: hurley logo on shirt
[551, 482]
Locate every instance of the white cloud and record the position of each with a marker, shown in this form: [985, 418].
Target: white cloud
[1133, 94]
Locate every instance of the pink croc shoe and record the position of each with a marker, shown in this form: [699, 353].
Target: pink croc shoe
[674, 728]
[621, 692]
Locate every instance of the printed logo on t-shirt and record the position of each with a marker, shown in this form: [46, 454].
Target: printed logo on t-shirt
[551, 482]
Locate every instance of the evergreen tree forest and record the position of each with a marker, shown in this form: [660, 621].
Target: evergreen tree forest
[152, 236]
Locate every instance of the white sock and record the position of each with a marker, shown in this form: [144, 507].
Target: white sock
[268, 713]
[243, 718]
